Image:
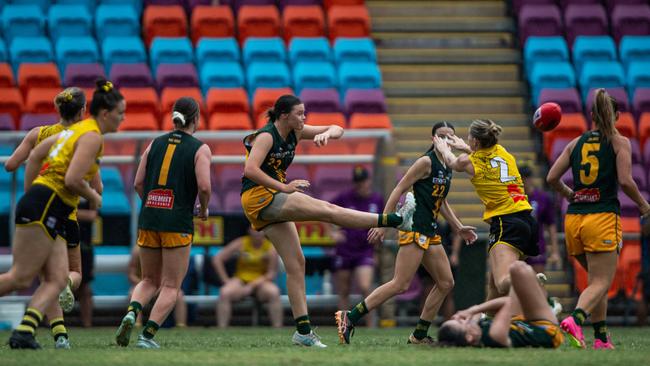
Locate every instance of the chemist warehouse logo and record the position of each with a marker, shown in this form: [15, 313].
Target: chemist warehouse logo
[160, 198]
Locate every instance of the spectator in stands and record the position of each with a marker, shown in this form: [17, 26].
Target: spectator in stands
[255, 272]
[354, 256]
[542, 204]
[86, 216]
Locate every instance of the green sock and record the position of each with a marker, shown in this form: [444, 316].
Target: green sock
[150, 329]
[357, 312]
[600, 330]
[135, 307]
[303, 325]
[579, 316]
[389, 220]
[421, 329]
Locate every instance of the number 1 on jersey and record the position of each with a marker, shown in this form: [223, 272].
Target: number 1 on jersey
[503, 166]
[167, 160]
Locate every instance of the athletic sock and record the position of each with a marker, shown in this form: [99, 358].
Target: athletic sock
[421, 329]
[303, 325]
[579, 316]
[600, 330]
[150, 329]
[57, 327]
[357, 312]
[134, 307]
[389, 220]
[30, 322]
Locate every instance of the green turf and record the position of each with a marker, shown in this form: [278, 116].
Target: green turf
[265, 346]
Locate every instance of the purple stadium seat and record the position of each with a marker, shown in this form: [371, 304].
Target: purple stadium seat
[176, 75]
[29, 121]
[236, 4]
[640, 177]
[283, 3]
[191, 4]
[539, 20]
[587, 19]
[229, 176]
[620, 94]
[131, 75]
[567, 178]
[565, 3]
[568, 99]
[163, 2]
[628, 207]
[232, 201]
[637, 157]
[321, 100]
[6, 122]
[641, 101]
[297, 171]
[365, 101]
[646, 154]
[328, 194]
[557, 148]
[630, 20]
[518, 4]
[83, 75]
[612, 3]
[214, 205]
[330, 176]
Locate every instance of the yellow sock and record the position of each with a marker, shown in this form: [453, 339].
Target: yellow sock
[30, 322]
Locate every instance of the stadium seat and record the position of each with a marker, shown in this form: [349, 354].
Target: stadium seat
[557, 75]
[354, 50]
[518, 4]
[77, 50]
[22, 21]
[644, 131]
[539, 20]
[139, 122]
[568, 99]
[6, 123]
[601, 74]
[632, 20]
[176, 75]
[116, 21]
[29, 121]
[264, 50]
[258, 21]
[230, 121]
[612, 3]
[4, 54]
[638, 76]
[141, 100]
[365, 101]
[115, 203]
[169, 96]
[634, 48]
[264, 98]
[315, 75]
[11, 103]
[224, 101]
[619, 94]
[309, 49]
[626, 125]
[329, 3]
[303, 21]
[38, 76]
[39, 100]
[326, 119]
[123, 50]
[168, 123]
[593, 48]
[332, 176]
[164, 21]
[641, 101]
[637, 154]
[639, 174]
[69, 21]
[30, 49]
[572, 126]
[83, 75]
[544, 48]
[557, 147]
[217, 50]
[370, 120]
[42, 4]
[359, 75]
[267, 75]
[232, 202]
[6, 76]
[348, 21]
[321, 100]
[585, 19]
[212, 21]
[646, 152]
[170, 51]
[131, 75]
[221, 75]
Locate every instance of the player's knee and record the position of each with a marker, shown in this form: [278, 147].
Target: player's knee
[445, 285]
[329, 211]
[296, 265]
[519, 268]
[22, 282]
[503, 285]
[402, 286]
[151, 281]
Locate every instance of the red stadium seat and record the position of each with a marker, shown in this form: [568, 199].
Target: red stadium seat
[141, 100]
[365, 146]
[38, 76]
[348, 21]
[572, 125]
[644, 128]
[370, 120]
[264, 99]
[163, 21]
[212, 21]
[41, 100]
[626, 125]
[139, 122]
[258, 21]
[11, 103]
[170, 95]
[325, 119]
[6, 76]
[230, 121]
[168, 124]
[303, 21]
[227, 101]
[329, 3]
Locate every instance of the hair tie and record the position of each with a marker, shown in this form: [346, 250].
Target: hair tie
[180, 116]
[67, 96]
[108, 86]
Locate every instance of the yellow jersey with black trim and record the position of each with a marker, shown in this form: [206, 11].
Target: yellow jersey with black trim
[47, 131]
[497, 182]
[52, 173]
[252, 262]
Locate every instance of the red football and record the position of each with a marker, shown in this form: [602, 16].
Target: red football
[547, 116]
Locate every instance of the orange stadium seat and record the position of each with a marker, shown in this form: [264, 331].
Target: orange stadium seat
[329, 3]
[139, 122]
[38, 76]
[163, 21]
[626, 125]
[141, 100]
[264, 99]
[11, 103]
[365, 146]
[333, 147]
[325, 119]
[212, 21]
[230, 121]
[630, 264]
[168, 125]
[348, 21]
[644, 128]
[572, 125]
[370, 120]
[258, 21]
[6, 76]
[303, 21]
[41, 100]
[170, 95]
[227, 101]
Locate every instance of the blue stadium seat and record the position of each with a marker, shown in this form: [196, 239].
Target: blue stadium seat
[123, 50]
[221, 75]
[135, 4]
[76, 50]
[601, 74]
[69, 20]
[115, 203]
[89, 4]
[359, 75]
[264, 50]
[267, 75]
[42, 4]
[170, 51]
[309, 49]
[541, 49]
[315, 75]
[593, 48]
[217, 50]
[354, 50]
[5, 201]
[116, 21]
[634, 48]
[4, 55]
[30, 49]
[22, 21]
[638, 76]
[112, 179]
[551, 74]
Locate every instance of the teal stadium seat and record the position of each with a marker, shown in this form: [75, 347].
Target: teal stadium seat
[309, 49]
[593, 48]
[76, 50]
[359, 75]
[22, 21]
[314, 75]
[638, 76]
[123, 50]
[354, 50]
[601, 74]
[116, 21]
[217, 50]
[137, 5]
[42, 4]
[112, 179]
[30, 49]
[170, 51]
[552, 75]
[543, 49]
[88, 4]
[4, 55]
[70, 21]
[221, 75]
[634, 48]
[264, 50]
[267, 75]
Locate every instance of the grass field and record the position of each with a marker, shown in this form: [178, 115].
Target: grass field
[265, 346]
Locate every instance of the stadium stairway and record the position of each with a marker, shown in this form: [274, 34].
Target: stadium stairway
[455, 61]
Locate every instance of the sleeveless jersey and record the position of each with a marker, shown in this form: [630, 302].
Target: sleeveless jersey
[56, 164]
[497, 182]
[593, 164]
[430, 192]
[521, 334]
[47, 131]
[252, 262]
[170, 186]
[277, 160]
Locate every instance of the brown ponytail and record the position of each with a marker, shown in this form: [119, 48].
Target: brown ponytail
[604, 114]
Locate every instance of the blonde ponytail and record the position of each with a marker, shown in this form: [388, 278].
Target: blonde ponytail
[604, 114]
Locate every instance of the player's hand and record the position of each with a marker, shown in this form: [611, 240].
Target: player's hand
[554, 260]
[441, 144]
[454, 260]
[468, 233]
[376, 235]
[95, 200]
[338, 235]
[462, 315]
[321, 139]
[457, 143]
[297, 185]
[204, 213]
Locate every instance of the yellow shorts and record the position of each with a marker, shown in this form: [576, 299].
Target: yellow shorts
[410, 237]
[592, 233]
[163, 239]
[552, 330]
[254, 201]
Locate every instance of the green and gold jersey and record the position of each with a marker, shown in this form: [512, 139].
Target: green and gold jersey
[430, 192]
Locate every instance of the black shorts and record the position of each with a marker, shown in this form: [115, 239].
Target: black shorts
[41, 206]
[518, 230]
[71, 233]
